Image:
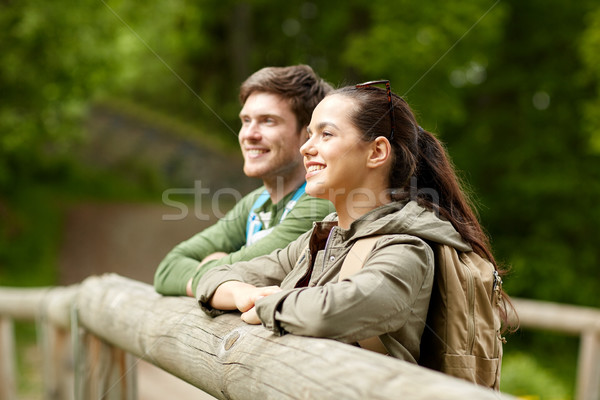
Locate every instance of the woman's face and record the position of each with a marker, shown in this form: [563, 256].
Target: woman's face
[334, 156]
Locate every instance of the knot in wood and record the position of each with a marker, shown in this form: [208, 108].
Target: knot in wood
[231, 339]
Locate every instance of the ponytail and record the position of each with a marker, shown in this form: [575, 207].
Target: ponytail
[435, 174]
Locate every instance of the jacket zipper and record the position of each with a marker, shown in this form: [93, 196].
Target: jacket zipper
[309, 268]
[496, 297]
[471, 301]
[327, 246]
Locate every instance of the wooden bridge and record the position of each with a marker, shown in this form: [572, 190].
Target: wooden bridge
[91, 335]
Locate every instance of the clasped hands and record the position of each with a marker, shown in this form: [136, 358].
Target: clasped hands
[232, 295]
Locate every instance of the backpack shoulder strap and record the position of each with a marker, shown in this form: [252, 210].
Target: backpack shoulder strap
[353, 263]
[253, 223]
[355, 259]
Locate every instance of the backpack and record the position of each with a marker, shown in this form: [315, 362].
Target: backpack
[462, 332]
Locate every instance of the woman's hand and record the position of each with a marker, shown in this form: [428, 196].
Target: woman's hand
[251, 317]
[233, 295]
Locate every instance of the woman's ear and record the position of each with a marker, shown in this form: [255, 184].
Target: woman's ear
[380, 151]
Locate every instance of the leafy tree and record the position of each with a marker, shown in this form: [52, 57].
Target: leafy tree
[432, 52]
[56, 57]
[590, 54]
[487, 77]
[198, 53]
[535, 172]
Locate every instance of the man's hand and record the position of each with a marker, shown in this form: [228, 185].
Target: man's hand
[214, 256]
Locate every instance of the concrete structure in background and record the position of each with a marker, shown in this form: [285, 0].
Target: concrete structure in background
[140, 149]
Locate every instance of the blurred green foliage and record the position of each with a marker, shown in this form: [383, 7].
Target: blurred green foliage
[54, 58]
[523, 376]
[512, 88]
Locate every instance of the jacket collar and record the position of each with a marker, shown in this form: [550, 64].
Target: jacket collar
[398, 218]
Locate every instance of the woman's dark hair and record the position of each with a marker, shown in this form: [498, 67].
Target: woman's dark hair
[299, 84]
[421, 168]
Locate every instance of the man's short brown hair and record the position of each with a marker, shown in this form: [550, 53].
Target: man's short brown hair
[298, 83]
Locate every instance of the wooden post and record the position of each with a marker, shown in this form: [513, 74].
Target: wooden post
[115, 376]
[57, 362]
[7, 359]
[102, 371]
[588, 376]
[575, 320]
[77, 338]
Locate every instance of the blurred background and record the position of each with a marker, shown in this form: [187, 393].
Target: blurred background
[105, 105]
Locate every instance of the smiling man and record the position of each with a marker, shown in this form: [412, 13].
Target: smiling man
[277, 103]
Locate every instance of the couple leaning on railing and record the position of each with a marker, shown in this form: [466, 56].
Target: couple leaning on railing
[424, 285]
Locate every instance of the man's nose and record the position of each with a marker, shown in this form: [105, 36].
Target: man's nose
[250, 131]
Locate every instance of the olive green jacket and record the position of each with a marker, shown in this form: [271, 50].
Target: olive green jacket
[388, 297]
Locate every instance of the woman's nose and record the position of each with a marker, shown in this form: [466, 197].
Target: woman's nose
[308, 148]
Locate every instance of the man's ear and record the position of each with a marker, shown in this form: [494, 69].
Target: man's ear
[380, 151]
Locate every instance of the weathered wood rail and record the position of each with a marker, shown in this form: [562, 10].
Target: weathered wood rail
[111, 318]
[572, 320]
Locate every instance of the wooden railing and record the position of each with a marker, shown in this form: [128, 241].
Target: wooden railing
[573, 320]
[111, 320]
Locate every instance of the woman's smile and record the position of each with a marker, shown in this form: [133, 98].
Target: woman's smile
[313, 168]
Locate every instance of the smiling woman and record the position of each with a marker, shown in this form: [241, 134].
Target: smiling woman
[390, 181]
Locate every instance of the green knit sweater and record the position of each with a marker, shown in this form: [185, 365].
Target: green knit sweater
[228, 235]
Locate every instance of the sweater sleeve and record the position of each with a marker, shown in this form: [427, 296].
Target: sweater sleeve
[377, 299]
[227, 235]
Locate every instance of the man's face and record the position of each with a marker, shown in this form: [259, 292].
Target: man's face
[270, 137]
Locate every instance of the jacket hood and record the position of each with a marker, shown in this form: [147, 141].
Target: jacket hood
[407, 218]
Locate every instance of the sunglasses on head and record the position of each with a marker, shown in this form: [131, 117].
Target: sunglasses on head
[389, 96]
